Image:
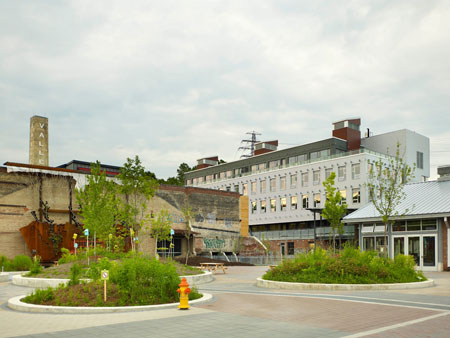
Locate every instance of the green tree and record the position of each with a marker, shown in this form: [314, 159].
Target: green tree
[334, 209]
[137, 187]
[187, 214]
[386, 181]
[160, 228]
[98, 203]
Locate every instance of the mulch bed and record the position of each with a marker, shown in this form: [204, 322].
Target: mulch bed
[196, 260]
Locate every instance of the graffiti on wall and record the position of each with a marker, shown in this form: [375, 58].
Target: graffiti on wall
[214, 243]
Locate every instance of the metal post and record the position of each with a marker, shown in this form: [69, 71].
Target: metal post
[314, 231]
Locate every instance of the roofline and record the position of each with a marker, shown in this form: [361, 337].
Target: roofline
[406, 217]
[265, 154]
[89, 163]
[41, 167]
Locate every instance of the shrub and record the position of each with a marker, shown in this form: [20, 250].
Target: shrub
[36, 267]
[21, 263]
[75, 273]
[349, 266]
[39, 296]
[96, 268]
[67, 257]
[144, 281]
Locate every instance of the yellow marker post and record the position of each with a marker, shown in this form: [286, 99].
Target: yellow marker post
[104, 278]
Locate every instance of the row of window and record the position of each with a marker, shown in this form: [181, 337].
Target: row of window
[294, 160]
[271, 204]
[293, 181]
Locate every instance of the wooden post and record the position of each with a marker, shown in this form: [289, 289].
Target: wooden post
[104, 290]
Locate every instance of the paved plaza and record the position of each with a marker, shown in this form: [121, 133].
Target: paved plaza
[240, 309]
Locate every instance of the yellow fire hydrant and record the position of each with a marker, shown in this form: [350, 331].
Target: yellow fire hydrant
[184, 292]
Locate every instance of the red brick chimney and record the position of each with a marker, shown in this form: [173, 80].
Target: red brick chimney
[348, 130]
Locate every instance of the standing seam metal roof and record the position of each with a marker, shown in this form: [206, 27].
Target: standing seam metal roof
[425, 198]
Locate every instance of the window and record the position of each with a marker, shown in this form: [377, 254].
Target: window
[283, 183]
[293, 202]
[253, 188]
[429, 224]
[316, 200]
[236, 188]
[292, 160]
[342, 173]
[399, 226]
[419, 163]
[328, 172]
[305, 201]
[263, 206]
[304, 179]
[283, 162]
[314, 155]
[245, 189]
[230, 174]
[302, 158]
[262, 187]
[356, 169]
[222, 175]
[290, 248]
[253, 207]
[254, 168]
[293, 181]
[208, 178]
[316, 177]
[228, 188]
[343, 196]
[413, 225]
[236, 173]
[356, 195]
[261, 166]
[188, 182]
[200, 180]
[273, 205]
[273, 184]
[273, 164]
[283, 203]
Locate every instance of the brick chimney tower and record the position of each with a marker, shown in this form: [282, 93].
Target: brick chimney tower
[39, 140]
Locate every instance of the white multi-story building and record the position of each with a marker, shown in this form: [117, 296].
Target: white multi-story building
[284, 185]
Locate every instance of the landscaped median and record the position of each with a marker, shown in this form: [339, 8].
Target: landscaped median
[128, 284]
[15, 303]
[349, 269]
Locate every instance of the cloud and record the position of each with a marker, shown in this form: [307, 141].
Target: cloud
[174, 81]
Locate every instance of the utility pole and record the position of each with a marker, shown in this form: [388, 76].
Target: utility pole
[249, 145]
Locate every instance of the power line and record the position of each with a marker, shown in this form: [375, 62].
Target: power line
[249, 144]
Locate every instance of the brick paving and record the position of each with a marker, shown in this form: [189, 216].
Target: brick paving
[246, 310]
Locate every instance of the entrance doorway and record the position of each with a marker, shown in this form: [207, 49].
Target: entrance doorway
[421, 247]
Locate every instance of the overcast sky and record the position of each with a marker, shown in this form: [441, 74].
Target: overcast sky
[175, 81]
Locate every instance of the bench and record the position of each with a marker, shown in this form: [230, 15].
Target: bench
[213, 267]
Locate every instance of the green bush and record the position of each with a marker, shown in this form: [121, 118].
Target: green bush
[21, 263]
[143, 281]
[96, 268]
[36, 267]
[67, 257]
[5, 263]
[75, 273]
[349, 266]
[39, 296]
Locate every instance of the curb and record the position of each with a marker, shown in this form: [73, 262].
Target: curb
[32, 282]
[8, 275]
[342, 287]
[15, 303]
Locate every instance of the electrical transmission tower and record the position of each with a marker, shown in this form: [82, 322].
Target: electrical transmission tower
[249, 145]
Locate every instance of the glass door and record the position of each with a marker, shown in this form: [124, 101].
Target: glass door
[429, 252]
[414, 249]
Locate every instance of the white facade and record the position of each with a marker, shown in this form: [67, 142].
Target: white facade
[286, 183]
[411, 146]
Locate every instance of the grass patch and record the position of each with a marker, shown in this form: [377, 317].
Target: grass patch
[349, 266]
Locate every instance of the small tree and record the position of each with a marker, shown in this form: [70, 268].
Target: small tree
[334, 208]
[160, 230]
[187, 213]
[385, 185]
[137, 188]
[98, 203]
